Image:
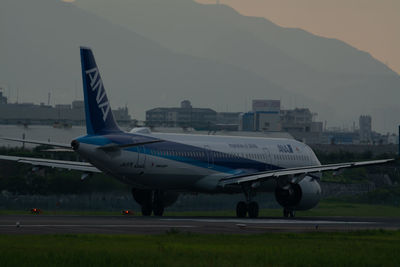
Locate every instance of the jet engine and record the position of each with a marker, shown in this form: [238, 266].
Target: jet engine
[301, 196]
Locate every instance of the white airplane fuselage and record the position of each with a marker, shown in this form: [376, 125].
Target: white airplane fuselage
[159, 166]
[186, 162]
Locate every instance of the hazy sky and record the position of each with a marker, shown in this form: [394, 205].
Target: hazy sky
[369, 25]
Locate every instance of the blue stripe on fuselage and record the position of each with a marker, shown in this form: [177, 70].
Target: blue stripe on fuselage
[226, 163]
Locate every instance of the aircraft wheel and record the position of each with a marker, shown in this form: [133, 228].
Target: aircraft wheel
[146, 210]
[289, 213]
[158, 203]
[286, 213]
[241, 209]
[253, 209]
[158, 209]
[292, 213]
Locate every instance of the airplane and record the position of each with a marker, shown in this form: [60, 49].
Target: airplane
[161, 166]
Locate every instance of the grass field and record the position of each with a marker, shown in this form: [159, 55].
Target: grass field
[364, 248]
[325, 208]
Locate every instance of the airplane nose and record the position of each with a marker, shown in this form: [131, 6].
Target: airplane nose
[75, 145]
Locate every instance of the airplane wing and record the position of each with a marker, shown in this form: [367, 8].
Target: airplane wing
[63, 164]
[299, 173]
[36, 142]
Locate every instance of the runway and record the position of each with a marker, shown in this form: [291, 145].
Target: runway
[55, 224]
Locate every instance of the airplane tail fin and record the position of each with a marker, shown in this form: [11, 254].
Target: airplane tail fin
[99, 117]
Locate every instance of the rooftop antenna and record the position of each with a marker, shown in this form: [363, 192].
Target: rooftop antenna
[8, 91]
[76, 90]
[48, 98]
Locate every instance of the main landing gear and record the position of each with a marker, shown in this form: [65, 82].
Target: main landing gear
[249, 207]
[243, 208]
[150, 201]
[287, 213]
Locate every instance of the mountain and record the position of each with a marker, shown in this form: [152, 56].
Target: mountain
[347, 81]
[39, 52]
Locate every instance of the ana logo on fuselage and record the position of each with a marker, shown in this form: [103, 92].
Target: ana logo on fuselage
[285, 148]
[97, 84]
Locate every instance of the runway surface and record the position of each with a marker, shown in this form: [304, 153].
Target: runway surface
[52, 224]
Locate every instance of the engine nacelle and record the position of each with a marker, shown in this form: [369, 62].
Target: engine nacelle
[302, 196]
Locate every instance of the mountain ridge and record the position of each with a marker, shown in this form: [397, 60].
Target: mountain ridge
[40, 53]
[294, 59]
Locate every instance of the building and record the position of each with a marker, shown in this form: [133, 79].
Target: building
[264, 117]
[184, 116]
[122, 115]
[3, 99]
[393, 139]
[267, 115]
[228, 121]
[246, 122]
[365, 132]
[300, 123]
[67, 114]
[267, 121]
[298, 120]
[228, 118]
[341, 138]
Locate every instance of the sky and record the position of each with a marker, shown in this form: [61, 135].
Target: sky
[369, 25]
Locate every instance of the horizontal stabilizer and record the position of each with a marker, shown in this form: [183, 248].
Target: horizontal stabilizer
[36, 142]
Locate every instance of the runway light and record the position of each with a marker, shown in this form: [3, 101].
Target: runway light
[36, 211]
[241, 225]
[127, 212]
